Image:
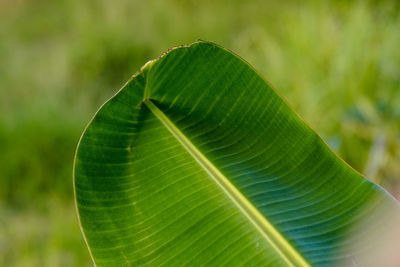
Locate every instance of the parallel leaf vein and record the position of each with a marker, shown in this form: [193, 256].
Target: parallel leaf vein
[270, 233]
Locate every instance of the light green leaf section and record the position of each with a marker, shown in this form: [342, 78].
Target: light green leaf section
[197, 161]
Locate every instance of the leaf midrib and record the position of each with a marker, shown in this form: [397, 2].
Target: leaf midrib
[270, 233]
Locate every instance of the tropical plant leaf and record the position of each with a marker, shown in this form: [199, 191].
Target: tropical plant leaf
[198, 161]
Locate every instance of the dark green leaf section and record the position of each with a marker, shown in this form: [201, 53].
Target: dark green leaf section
[144, 200]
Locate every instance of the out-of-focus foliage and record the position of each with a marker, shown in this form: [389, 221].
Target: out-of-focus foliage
[336, 62]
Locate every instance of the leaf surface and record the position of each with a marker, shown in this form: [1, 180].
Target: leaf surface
[198, 161]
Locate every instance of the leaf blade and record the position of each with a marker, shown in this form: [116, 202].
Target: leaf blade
[209, 95]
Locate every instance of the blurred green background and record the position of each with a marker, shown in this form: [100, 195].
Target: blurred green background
[336, 62]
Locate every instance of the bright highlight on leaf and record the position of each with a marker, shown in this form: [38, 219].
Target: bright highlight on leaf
[198, 161]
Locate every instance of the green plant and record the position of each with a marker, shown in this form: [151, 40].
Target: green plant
[198, 161]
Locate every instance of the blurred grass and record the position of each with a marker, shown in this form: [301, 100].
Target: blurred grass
[336, 62]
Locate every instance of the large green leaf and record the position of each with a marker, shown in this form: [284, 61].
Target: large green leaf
[198, 161]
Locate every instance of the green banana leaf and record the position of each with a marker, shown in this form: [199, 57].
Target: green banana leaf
[197, 161]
